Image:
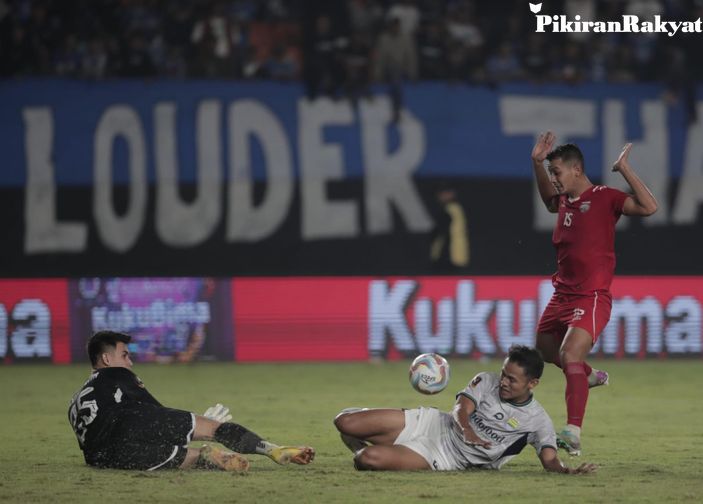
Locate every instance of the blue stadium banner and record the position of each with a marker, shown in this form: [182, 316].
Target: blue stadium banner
[218, 178]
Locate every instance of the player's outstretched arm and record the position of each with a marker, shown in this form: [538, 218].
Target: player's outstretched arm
[463, 409]
[550, 462]
[542, 148]
[642, 202]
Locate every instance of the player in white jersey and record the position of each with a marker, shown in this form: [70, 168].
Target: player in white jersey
[493, 419]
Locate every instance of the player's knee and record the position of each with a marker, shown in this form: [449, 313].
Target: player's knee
[347, 421]
[368, 459]
[569, 356]
[344, 422]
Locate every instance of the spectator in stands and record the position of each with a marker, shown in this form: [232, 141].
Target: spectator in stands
[217, 41]
[572, 66]
[357, 64]
[432, 51]
[407, 13]
[535, 59]
[66, 61]
[622, 66]
[178, 25]
[584, 8]
[325, 61]
[137, 60]
[466, 43]
[503, 65]
[453, 39]
[281, 65]
[94, 61]
[365, 18]
[396, 60]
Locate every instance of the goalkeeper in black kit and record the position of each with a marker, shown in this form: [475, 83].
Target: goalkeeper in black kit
[120, 425]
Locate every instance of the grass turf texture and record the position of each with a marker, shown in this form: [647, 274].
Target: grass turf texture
[644, 431]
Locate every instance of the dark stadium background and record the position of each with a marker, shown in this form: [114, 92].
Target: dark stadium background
[96, 94]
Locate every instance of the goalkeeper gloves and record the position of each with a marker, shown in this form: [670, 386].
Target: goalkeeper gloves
[218, 413]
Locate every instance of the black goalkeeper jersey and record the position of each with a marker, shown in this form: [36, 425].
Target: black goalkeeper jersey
[94, 409]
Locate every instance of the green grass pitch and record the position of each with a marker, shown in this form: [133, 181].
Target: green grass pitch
[645, 431]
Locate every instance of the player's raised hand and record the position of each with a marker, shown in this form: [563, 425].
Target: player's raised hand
[218, 413]
[544, 145]
[622, 160]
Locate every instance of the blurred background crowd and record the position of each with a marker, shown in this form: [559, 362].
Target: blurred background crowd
[340, 47]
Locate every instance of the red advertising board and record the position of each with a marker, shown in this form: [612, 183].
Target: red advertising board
[34, 320]
[288, 319]
[654, 316]
[347, 318]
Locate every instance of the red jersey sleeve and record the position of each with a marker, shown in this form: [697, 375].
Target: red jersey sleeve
[617, 200]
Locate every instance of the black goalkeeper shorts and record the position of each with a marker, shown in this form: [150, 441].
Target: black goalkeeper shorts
[144, 437]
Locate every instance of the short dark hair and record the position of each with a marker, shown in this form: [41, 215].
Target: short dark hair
[528, 358]
[102, 340]
[568, 153]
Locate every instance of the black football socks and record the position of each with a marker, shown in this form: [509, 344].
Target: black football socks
[238, 438]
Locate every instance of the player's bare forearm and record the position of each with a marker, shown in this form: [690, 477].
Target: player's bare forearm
[463, 409]
[643, 202]
[541, 150]
[547, 191]
[551, 463]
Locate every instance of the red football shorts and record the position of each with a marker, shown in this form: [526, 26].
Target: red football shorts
[590, 312]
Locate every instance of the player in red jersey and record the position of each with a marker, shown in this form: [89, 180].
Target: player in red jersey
[584, 237]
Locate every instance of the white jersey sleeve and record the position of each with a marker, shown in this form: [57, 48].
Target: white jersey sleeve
[544, 435]
[480, 385]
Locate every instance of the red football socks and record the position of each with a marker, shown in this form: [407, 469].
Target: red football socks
[576, 392]
[586, 367]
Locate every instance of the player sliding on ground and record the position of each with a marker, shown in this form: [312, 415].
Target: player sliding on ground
[120, 425]
[493, 419]
[584, 237]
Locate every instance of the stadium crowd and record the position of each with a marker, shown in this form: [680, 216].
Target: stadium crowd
[341, 46]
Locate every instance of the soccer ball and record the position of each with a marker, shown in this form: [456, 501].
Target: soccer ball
[429, 373]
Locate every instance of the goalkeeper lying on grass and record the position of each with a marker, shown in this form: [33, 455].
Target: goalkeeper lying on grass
[120, 425]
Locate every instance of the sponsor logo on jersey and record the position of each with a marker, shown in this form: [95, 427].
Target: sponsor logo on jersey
[512, 422]
[499, 416]
[475, 381]
[585, 206]
[486, 429]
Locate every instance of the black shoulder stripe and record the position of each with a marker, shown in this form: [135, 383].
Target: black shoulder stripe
[468, 397]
